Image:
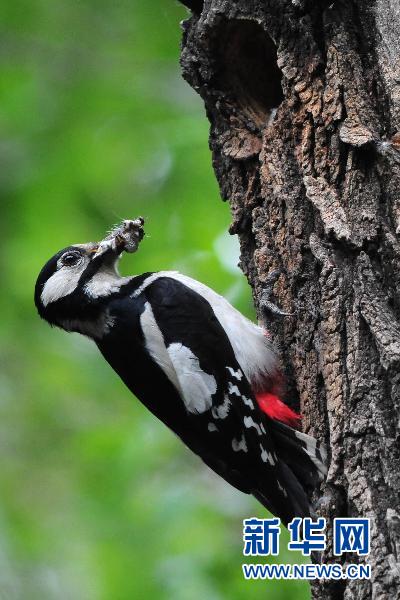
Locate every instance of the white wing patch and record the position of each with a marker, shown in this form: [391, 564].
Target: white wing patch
[252, 349]
[197, 386]
[241, 445]
[180, 365]
[249, 402]
[233, 389]
[237, 374]
[249, 422]
[284, 492]
[267, 456]
[222, 411]
[155, 345]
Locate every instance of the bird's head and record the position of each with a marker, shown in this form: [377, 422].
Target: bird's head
[74, 284]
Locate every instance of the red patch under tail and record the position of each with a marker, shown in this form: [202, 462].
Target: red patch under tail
[276, 409]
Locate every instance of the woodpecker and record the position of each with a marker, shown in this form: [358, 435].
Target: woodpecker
[200, 366]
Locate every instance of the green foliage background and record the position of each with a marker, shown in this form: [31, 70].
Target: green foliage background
[98, 500]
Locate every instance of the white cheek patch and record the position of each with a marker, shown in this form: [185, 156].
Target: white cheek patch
[62, 283]
[197, 386]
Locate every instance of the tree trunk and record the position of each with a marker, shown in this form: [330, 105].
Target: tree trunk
[303, 97]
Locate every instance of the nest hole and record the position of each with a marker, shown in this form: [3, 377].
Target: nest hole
[249, 71]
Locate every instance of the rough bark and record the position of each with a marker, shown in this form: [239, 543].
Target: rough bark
[303, 97]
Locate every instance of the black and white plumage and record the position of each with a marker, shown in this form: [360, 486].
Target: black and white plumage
[192, 359]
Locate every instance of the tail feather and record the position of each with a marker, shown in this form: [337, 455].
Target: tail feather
[315, 450]
[302, 453]
[302, 465]
[293, 501]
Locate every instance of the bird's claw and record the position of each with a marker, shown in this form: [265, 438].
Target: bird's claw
[273, 309]
[267, 289]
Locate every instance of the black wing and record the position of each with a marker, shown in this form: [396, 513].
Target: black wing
[224, 424]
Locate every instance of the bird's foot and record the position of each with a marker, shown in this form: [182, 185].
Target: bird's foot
[268, 307]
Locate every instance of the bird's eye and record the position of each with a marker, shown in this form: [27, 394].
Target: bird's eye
[70, 258]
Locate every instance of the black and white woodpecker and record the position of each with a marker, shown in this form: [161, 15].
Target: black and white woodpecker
[194, 361]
